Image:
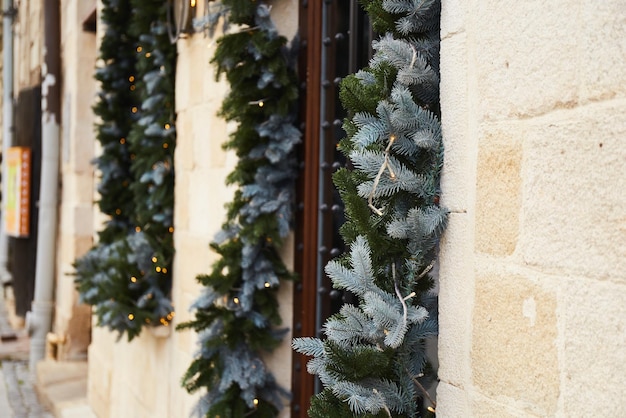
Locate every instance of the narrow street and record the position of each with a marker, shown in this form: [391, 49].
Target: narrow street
[18, 398]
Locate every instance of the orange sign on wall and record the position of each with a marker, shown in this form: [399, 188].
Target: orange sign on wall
[17, 217]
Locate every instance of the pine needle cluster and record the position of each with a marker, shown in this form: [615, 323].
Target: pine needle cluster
[237, 316]
[373, 355]
[126, 276]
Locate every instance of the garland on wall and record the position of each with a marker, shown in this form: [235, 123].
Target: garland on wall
[126, 276]
[373, 360]
[237, 316]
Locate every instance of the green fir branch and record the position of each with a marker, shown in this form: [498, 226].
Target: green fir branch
[237, 317]
[126, 276]
[374, 351]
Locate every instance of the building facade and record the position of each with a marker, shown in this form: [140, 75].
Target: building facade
[531, 286]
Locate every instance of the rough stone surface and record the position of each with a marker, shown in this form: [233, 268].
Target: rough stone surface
[514, 351]
[456, 298]
[594, 348]
[602, 50]
[485, 407]
[454, 15]
[574, 213]
[527, 54]
[498, 190]
[459, 146]
[452, 401]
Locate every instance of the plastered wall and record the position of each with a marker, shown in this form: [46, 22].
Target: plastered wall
[533, 282]
[141, 379]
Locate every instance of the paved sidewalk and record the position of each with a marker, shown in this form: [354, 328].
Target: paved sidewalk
[17, 387]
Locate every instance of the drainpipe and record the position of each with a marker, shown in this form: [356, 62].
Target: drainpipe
[8, 13]
[40, 321]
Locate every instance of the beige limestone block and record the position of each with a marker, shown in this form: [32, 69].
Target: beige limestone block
[484, 407]
[574, 207]
[183, 68]
[99, 374]
[208, 134]
[82, 149]
[82, 245]
[456, 301]
[514, 350]
[594, 359]
[285, 17]
[82, 221]
[214, 91]
[602, 49]
[454, 16]
[78, 188]
[526, 56]
[181, 202]
[207, 195]
[498, 190]
[193, 257]
[183, 155]
[186, 340]
[456, 183]
[452, 402]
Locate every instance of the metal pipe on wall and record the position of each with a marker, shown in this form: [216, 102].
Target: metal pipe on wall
[8, 14]
[40, 321]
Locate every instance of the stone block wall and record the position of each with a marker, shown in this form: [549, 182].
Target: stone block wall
[72, 321]
[533, 287]
[142, 378]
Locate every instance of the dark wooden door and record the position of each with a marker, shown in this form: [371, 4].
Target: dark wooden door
[336, 40]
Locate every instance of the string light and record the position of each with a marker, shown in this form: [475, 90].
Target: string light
[131, 78]
[259, 103]
[158, 269]
[236, 300]
[118, 211]
[192, 3]
[267, 284]
[167, 126]
[133, 279]
[148, 55]
[171, 229]
[134, 109]
[132, 87]
[163, 270]
[139, 49]
[165, 145]
[255, 401]
[122, 141]
[137, 229]
[154, 259]
[131, 316]
[386, 165]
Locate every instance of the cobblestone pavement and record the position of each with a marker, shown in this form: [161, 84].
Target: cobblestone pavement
[19, 389]
[17, 392]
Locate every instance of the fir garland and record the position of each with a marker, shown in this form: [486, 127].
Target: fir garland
[237, 314]
[126, 276]
[373, 357]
